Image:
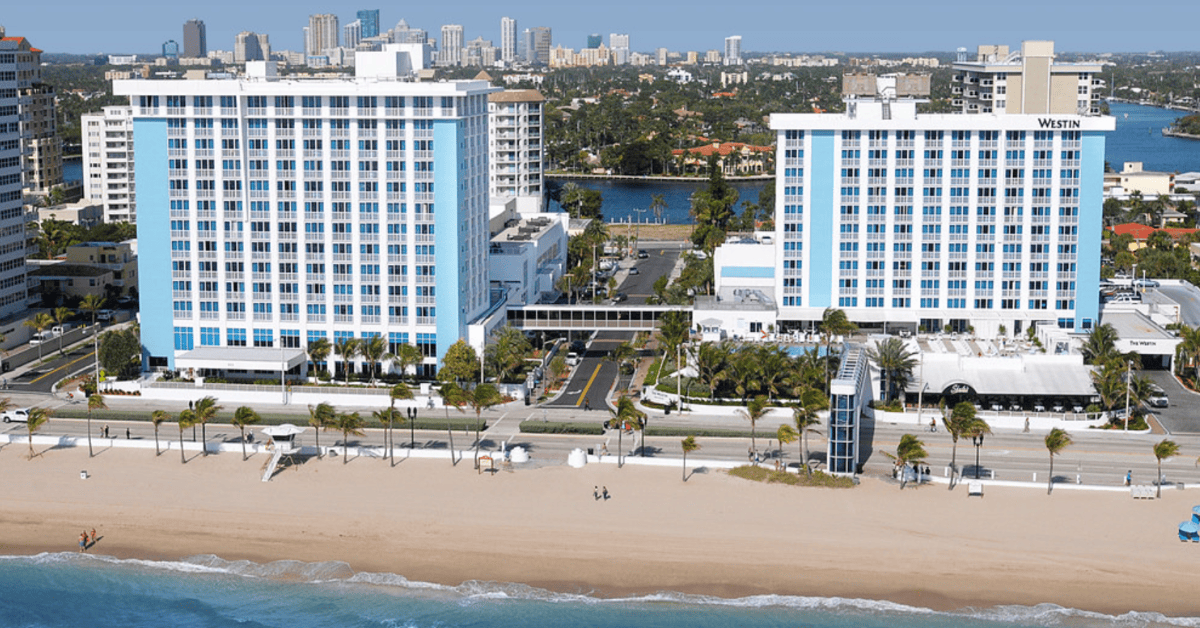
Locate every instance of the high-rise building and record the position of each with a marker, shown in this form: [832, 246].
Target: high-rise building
[937, 220]
[451, 53]
[540, 41]
[370, 23]
[261, 257]
[352, 33]
[515, 136]
[660, 56]
[508, 40]
[248, 46]
[321, 34]
[170, 49]
[593, 40]
[618, 40]
[108, 162]
[1029, 81]
[20, 71]
[44, 163]
[195, 42]
[402, 34]
[733, 50]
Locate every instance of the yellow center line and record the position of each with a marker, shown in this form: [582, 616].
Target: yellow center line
[583, 395]
[60, 368]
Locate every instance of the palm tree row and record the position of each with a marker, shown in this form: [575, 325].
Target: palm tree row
[373, 349]
[743, 371]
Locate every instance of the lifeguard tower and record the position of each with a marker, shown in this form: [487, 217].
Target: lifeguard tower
[282, 439]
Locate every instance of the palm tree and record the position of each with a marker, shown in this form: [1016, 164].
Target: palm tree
[1188, 351]
[349, 423]
[773, 363]
[507, 354]
[244, 417]
[386, 417]
[318, 351]
[786, 434]
[689, 445]
[963, 422]
[833, 323]
[320, 417]
[452, 395]
[480, 398]
[804, 417]
[95, 402]
[626, 412]
[157, 418]
[1057, 440]
[374, 351]
[61, 314]
[206, 410]
[755, 410]
[743, 373]
[1164, 449]
[658, 205]
[91, 304]
[673, 331]
[1100, 345]
[710, 363]
[910, 451]
[39, 323]
[347, 348]
[895, 362]
[399, 391]
[187, 418]
[406, 355]
[37, 418]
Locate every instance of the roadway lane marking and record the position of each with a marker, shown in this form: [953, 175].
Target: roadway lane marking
[49, 373]
[583, 395]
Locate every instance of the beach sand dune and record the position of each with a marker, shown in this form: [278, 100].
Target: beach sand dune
[715, 534]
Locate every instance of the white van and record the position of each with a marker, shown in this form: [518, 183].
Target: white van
[42, 336]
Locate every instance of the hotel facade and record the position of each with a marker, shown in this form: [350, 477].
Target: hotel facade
[275, 212]
[939, 220]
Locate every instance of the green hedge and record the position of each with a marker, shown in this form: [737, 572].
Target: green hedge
[818, 478]
[540, 427]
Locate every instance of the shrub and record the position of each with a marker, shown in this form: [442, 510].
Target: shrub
[539, 427]
[763, 474]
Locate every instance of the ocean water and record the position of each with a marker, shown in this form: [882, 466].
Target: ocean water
[69, 589]
[1139, 138]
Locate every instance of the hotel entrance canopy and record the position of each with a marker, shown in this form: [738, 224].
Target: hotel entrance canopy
[1011, 376]
[241, 359]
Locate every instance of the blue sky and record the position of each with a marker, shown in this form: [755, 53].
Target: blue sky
[832, 25]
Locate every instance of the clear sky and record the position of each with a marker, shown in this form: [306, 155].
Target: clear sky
[141, 26]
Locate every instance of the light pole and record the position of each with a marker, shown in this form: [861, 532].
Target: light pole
[1128, 385]
[637, 234]
[920, 403]
[977, 440]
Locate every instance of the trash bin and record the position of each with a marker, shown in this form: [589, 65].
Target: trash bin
[667, 410]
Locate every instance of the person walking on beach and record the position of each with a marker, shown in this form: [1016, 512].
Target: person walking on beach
[596, 493]
[605, 493]
[1129, 478]
[94, 537]
[83, 539]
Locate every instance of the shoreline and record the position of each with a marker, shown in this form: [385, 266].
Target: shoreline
[714, 535]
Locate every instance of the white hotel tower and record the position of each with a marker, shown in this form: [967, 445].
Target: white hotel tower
[935, 220]
[274, 212]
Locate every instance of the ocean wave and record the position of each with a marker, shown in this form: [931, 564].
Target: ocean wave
[480, 591]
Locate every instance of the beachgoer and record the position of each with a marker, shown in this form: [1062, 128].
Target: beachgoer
[1026, 425]
[94, 536]
[127, 434]
[604, 450]
[83, 541]
[932, 425]
[104, 431]
[250, 436]
[605, 493]
[1129, 478]
[596, 493]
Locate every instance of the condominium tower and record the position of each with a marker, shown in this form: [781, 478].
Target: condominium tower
[276, 212]
[108, 162]
[195, 42]
[733, 50]
[1025, 81]
[19, 70]
[321, 34]
[508, 40]
[515, 135]
[451, 45]
[370, 22]
[248, 46]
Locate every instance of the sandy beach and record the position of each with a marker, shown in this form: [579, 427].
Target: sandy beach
[714, 534]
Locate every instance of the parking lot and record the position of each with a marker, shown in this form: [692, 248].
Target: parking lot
[1182, 416]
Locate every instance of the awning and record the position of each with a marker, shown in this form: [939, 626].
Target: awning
[240, 358]
[1021, 375]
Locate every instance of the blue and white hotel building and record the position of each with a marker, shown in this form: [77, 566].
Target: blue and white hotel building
[935, 220]
[272, 212]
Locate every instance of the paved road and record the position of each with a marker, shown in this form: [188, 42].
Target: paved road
[43, 377]
[1183, 415]
[659, 261]
[593, 377]
[1095, 458]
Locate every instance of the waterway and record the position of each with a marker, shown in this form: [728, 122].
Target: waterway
[622, 198]
[1139, 138]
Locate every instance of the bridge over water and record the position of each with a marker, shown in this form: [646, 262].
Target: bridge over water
[544, 317]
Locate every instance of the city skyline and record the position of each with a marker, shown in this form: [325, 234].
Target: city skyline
[85, 28]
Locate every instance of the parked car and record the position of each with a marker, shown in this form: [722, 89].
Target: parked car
[619, 297]
[642, 254]
[634, 270]
[104, 315]
[572, 359]
[42, 336]
[1158, 398]
[19, 415]
[1145, 283]
[1124, 298]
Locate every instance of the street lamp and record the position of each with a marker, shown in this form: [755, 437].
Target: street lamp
[977, 440]
[1128, 385]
